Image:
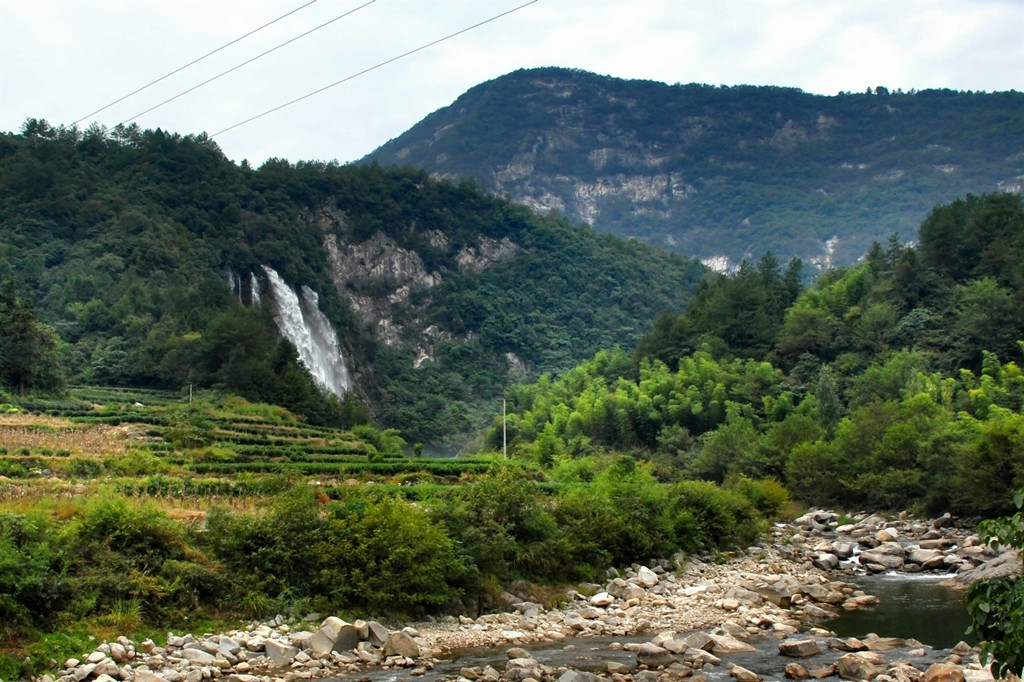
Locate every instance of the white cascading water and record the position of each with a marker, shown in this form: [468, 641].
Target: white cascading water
[254, 289]
[302, 323]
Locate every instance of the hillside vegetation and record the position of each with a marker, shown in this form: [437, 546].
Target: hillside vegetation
[724, 172]
[137, 512]
[891, 384]
[128, 256]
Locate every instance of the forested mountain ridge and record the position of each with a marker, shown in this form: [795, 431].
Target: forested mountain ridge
[144, 252]
[895, 383]
[724, 173]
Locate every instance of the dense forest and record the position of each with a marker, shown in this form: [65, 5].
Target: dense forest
[717, 171]
[891, 384]
[116, 247]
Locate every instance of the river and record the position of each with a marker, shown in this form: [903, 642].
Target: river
[913, 606]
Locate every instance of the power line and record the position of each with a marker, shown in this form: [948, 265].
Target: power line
[374, 67]
[249, 61]
[194, 61]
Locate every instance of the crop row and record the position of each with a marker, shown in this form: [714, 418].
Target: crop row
[384, 467]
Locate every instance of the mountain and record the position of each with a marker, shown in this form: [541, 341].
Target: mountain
[723, 173]
[156, 262]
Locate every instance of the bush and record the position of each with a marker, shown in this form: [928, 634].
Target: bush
[704, 516]
[388, 557]
[767, 495]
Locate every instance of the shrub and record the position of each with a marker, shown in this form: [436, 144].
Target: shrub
[767, 495]
[388, 557]
[704, 516]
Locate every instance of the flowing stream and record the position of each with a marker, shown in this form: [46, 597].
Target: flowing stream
[913, 606]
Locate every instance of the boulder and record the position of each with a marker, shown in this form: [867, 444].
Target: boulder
[376, 634]
[654, 656]
[825, 561]
[334, 634]
[401, 644]
[146, 676]
[924, 556]
[197, 656]
[943, 672]
[278, 652]
[647, 577]
[727, 644]
[891, 555]
[795, 671]
[800, 648]
[580, 676]
[858, 667]
[744, 675]
[601, 599]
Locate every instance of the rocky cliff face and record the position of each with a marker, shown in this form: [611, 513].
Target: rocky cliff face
[721, 173]
[377, 277]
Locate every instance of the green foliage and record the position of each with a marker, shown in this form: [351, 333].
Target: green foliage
[996, 606]
[703, 516]
[867, 413]
[28, 349]
[390, 558]
[135, 252]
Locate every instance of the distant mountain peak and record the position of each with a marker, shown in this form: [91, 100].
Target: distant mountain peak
[723, 172]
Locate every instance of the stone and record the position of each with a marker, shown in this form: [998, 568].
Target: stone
[825, 561]
[727, 644]
[923, 556]
[279, 653]
[579, 676]
[228, 645]
[848, 644]
[698, 658]
[942, 672]
[887, 535]
[376, 634]
[822, 672]
[795, 671]
[744, 675]
[891, 555]
[800, 648]
[876, 643]
[743, 595]
[146, 676]
[857, 667]
[197, 656]
[517, 652]
[647, 577]
[401, 644]
[601, 599]
[654, 656]
[118, 652]
[334, 634]
[698, 640]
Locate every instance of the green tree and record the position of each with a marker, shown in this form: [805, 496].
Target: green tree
[28, 349]
[996, 606]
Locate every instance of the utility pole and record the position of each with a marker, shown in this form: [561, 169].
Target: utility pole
[504, 431]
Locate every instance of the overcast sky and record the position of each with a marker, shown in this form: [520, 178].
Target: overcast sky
[63, 59]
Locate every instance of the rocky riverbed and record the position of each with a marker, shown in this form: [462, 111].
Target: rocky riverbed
[666, 622]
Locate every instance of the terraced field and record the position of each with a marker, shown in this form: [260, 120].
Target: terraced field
[189, 455]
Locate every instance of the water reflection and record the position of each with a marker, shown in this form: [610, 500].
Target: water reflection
[915, 606]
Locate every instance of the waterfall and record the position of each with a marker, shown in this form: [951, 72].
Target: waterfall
[302, 323]
[254, 289]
